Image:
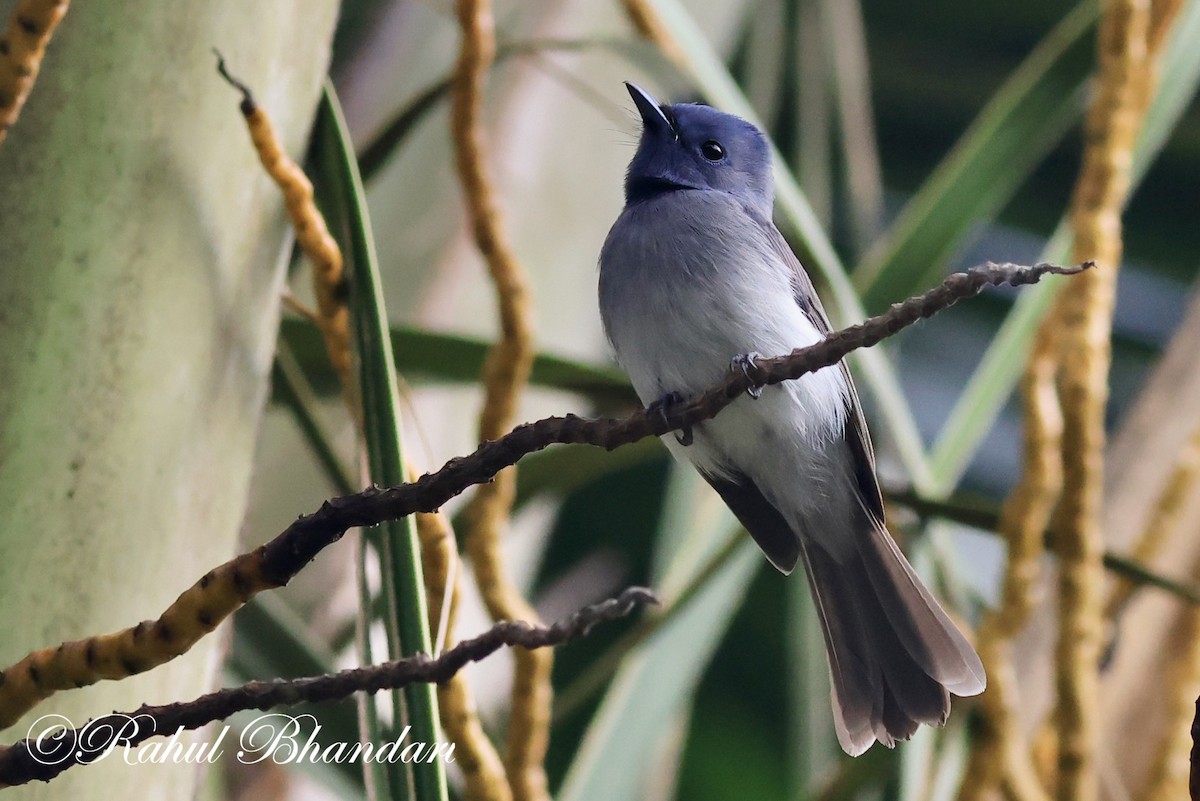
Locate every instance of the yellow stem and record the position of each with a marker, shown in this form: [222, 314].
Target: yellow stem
[505, 374]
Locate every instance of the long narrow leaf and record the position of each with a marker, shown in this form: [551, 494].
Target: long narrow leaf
[1026, 117]
[403, 585]
[813, 739]
[653, 684]
[456, 358]
[863, 178]
[813, 122]
[994, 379]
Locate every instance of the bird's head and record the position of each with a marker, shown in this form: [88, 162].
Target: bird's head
[692, 146]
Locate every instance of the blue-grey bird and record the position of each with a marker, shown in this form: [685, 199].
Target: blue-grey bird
[694, 277]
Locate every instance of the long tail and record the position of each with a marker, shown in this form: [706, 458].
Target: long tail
[894, 655]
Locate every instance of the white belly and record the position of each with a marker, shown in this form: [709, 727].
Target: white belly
[675, 326]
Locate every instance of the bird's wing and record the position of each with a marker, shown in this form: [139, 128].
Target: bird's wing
[856, 435]
[759, 516]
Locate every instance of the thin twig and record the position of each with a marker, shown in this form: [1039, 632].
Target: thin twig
[223, 589]
[984, 516]
[376, 153]
[312, 234]
[591, 681]
[293, 390]
[31, 760]
[1163, 520]
[21, 50]
[1169, 772]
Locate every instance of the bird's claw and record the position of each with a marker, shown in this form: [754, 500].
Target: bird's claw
[662, 406]
[743, 362]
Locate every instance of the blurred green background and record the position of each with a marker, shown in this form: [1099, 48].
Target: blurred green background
[729, 698]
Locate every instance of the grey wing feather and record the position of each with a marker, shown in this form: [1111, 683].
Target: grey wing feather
[922, 651]
[761, 519]
[856, 434]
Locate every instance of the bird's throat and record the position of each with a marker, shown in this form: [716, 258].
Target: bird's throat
[650, 186]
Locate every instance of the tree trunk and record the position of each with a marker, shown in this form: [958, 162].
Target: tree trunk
[142, 262]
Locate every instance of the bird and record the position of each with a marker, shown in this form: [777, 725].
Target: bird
[695, 280]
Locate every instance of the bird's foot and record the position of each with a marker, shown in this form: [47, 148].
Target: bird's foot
[743, 362]
[662, 406]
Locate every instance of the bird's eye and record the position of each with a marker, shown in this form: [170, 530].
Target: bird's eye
[712, 150]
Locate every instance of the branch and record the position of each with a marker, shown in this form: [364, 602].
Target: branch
[312, 234]
[31, 760]
[217, 594]
[290, 551]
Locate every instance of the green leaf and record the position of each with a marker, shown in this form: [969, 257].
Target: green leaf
[393, 134]
[1000, 368]
[1027, 116]
[292, 389]
[656, 681]
[455, 358]
[406, 622]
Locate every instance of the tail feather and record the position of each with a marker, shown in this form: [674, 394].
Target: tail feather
[918, 620]
[894, 655]
[917, 696]
[855, 683]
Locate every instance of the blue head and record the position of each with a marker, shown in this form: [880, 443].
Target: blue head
[690, 146]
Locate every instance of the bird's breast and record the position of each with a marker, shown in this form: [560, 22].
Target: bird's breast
[688, 281]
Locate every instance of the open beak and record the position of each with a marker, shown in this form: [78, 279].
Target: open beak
[653, 118]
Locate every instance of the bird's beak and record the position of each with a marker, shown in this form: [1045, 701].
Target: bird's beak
[653, 118]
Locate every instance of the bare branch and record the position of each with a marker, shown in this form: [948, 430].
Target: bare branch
[284, 556]
[30, 760]
[225, 588]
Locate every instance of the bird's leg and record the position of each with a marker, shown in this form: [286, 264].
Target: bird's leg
[663, 405]
[743, 362]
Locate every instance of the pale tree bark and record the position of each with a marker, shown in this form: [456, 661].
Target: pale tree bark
[141, 262]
